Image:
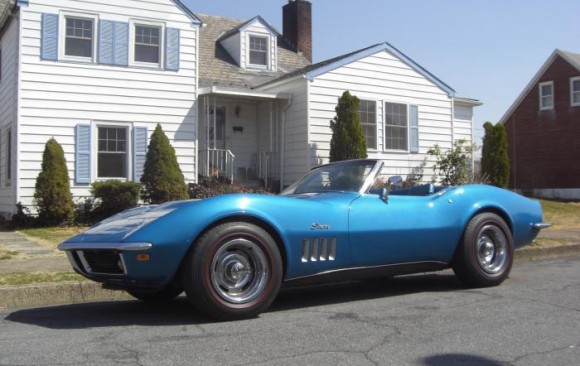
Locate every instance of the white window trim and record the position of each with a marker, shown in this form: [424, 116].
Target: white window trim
[62, 36]
[378, 121]
[95, 149]
[132, 24]
[268, 38]
[540, 85]
[572, 80]
[384, 124]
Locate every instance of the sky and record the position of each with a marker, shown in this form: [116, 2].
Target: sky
[484, 49]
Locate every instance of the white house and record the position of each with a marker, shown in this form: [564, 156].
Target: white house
[97, 75]
[234, 97]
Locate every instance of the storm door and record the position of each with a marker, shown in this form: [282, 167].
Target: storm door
[217, 128]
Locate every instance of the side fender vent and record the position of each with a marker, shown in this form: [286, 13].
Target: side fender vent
[318, 250]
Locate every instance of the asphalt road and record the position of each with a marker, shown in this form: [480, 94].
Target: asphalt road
[532, 319]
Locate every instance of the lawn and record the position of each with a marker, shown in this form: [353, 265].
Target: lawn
[562, 215]
[52, 236]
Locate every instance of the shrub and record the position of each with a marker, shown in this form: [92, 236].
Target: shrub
[162, 178]
[495, 163]
[22, 218]
[52, 191]
[214, 186]
[113, 196]
[452, 166]
[348, 139]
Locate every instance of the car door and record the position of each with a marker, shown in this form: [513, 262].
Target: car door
[401, 229]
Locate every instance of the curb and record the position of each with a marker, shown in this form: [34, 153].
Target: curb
[46, 294]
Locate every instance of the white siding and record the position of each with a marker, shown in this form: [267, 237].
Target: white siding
[296, 154]
[384, 78]
[463, 123]
[8, 112]
[233, 45]
[56, 96]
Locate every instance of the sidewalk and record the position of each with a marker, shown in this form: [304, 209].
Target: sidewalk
[34, 257]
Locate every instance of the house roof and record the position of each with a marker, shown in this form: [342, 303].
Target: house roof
[242, 26]
[312, 71]
[218, 68]
[570, 57]
[188, 12]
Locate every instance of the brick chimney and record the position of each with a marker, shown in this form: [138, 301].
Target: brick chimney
[297, 24]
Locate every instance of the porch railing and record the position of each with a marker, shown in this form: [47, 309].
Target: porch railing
[264, 160]
[216, 163]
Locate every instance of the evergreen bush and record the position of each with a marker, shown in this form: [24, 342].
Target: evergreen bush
[52, 193]
[348, 139]
[495, 163]
[162, 177]
[113, 196]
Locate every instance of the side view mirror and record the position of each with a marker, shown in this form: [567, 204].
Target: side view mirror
[384, 195]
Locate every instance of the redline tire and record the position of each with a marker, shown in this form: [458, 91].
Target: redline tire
[485, 254]
[233, 271]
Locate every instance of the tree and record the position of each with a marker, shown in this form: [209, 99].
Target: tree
[162, 178]
[495, 163]
[52, 191]
[348, 139]
[452, 166]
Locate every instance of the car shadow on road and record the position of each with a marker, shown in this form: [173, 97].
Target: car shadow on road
[179, 312]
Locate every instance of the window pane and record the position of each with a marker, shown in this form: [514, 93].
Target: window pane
[112, 160]
[546, 90]
[79, 37]
[368, 121]
[258, 51]
[147, 44]
[396, 122]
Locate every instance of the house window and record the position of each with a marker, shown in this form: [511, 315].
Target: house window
[112, 152]
[79, 37]
[575, 91]
[147, 44]
[368, 121]
[546, 95]
[396, 126]
[259, 51]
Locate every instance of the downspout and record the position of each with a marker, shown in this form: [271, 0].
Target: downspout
[16, 130]
[283, 143]
[452, 121]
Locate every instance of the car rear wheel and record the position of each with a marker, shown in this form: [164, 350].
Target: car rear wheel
[233, 271]
[162, 296]
[485, 255]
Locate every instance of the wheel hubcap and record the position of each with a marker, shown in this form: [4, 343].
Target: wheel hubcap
[492, 252]
[239, 271]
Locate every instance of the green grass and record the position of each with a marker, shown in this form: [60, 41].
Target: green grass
[52, 236]
[562, 215]
[38, 277]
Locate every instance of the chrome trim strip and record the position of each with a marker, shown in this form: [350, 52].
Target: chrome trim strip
[122, 247]
[374, 173]
[541, 225]
[365, 268]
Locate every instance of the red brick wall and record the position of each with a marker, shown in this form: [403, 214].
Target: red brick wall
[544, 146]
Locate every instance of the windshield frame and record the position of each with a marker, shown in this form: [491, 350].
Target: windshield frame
[367, 182]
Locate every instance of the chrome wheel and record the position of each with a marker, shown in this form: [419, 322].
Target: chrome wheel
[491, 249]
[239, 271]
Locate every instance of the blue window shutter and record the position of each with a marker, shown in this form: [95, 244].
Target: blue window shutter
[121, 50]
[113, 43]
[172, 49]
[83, 154]
[49, 41]
[106, 40]
[414, 128]
[139, 151]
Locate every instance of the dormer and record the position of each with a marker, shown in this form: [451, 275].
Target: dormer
[253, 45]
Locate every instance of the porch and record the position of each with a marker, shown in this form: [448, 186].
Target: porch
[240, 136]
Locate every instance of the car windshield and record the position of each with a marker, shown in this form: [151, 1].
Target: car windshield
[347, 176]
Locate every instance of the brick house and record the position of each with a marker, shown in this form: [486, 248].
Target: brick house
[543, 127]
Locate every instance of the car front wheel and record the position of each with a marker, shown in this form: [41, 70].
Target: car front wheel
[233, 271]
[485, 255]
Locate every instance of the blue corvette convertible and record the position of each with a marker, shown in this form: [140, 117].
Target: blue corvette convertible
[232, 253]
